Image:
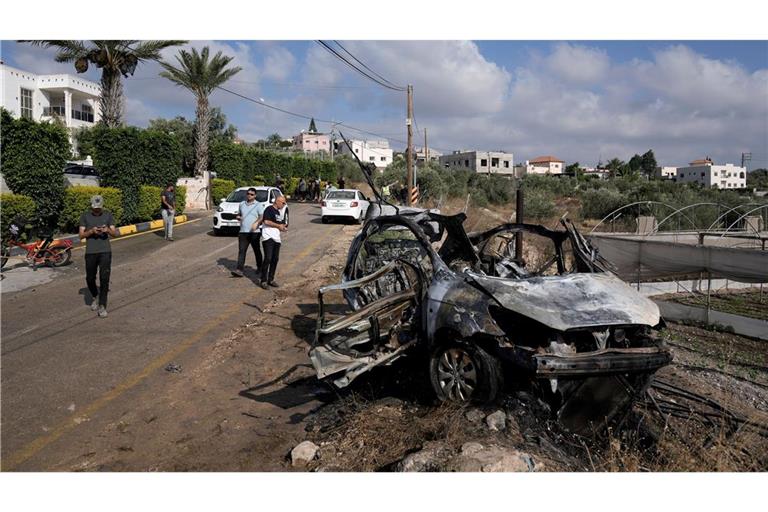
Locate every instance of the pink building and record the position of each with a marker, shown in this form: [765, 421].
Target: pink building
[311, 141]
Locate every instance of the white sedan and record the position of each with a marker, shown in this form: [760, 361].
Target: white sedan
[345, 203]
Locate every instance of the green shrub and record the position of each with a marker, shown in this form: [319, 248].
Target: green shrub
[596, 204]
[149, 203]
[33, 156]
[128, 158]
[181, 199]
[289, 185]
[77, 200]
[228, 161]
[13, 206]
[538, 204]
[221, 189]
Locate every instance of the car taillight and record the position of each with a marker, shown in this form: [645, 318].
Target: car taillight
[353, 204]
[323, 204]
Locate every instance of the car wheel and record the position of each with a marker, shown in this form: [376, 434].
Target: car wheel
[359, 219]
[463, 372]
[216, 232]
[324, 220]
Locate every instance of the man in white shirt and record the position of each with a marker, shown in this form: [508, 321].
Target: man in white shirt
[273, 224]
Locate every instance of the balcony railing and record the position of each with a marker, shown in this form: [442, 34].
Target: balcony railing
[82, 116]
[54, 111]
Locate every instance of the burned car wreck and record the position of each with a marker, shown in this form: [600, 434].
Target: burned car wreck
[481, 311]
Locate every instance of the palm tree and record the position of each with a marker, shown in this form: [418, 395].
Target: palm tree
[201, 76]
[116, 59]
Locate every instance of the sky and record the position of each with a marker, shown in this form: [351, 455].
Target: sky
[581, 100]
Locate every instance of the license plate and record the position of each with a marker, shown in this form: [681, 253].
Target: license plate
[338, 205]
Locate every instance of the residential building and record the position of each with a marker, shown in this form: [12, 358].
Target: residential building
[545, 165]
[665, 173]
[312, 141]
[594, 171]
[490, 162]
[704, 171]
[377, 152]
[434, 155]
[71, 99]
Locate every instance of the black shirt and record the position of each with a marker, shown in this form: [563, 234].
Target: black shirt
[170, 198]
[97, 243]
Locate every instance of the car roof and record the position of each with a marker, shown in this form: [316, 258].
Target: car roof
[345, 190]
[260, 187]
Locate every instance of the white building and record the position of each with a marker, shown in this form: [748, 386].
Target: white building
[45, 97]
[602, 174]
[544, 165]
[726, 176]
[377, 152]
[490, 162]
[434, 155]
[666, 173]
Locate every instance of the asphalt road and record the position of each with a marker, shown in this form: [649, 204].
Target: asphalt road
[64, 370]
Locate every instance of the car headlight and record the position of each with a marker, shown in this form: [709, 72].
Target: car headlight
[219, 209]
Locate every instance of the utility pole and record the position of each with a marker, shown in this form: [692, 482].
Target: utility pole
[409, 150]
[426, 150]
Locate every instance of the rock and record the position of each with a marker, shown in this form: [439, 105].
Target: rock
[471, 448]
[430, 458]
[474, 415]
[496, 421]
[303, 453]
[493, 459]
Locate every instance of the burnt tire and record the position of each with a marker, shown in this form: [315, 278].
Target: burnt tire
[464, 372]
[60, 256]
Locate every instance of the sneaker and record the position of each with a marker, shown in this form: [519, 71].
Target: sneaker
[274, 284]
[237, 273]
[102, 312]
[169, 239]
[264, 285]
[95, 305]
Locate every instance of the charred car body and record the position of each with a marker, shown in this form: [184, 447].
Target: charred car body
[565, 320]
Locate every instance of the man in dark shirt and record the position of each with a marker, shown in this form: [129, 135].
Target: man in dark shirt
[273, 224]
[341, 182]
[96, 226]
[168, 210]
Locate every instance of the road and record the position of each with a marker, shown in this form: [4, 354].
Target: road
[67, 373]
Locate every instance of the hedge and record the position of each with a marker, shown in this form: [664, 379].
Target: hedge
[13, 206]
[248, 165]
[77, 200]
[33, 156]
[128, 158]
[221, 189]
[150, 203]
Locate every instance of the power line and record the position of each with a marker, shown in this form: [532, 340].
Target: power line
[381, 81]
[400, 87]
[304, 116]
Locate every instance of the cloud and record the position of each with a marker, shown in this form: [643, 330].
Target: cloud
[278, 63]
[578, 64]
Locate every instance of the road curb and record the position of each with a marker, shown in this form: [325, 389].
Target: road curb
[121, 231]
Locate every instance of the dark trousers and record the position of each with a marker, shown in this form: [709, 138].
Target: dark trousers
[243, 241]
[102, 262]
[271, 255]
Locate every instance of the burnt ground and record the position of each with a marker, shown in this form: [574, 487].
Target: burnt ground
[244, 402]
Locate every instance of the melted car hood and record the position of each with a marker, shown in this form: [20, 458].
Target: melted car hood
[572, 301]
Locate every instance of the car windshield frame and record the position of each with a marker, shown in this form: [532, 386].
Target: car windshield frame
[238, 196]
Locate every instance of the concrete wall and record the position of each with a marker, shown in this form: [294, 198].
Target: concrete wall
[196, 192]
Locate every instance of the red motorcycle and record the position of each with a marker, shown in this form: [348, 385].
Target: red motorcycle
[48, 251]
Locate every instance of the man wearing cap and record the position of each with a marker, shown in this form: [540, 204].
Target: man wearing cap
[96, 226]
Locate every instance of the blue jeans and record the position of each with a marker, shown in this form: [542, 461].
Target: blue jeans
[168, 221]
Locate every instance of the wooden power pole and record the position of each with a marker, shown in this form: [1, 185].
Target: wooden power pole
[426, 150]
[409, 150]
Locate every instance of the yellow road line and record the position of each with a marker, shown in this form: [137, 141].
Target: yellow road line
[143, 232]
[38, 444]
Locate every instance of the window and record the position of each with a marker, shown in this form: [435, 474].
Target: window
[741, 175]
[26, 103]
[466, 163]
[702, 175]
[371, 158]
[506, 164]
[494, 162]
[356, 151]
[483, 163]
[383, 159]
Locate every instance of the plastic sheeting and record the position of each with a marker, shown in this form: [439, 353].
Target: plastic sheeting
[649, 259]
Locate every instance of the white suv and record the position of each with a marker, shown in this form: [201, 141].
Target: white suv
[226, 213]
